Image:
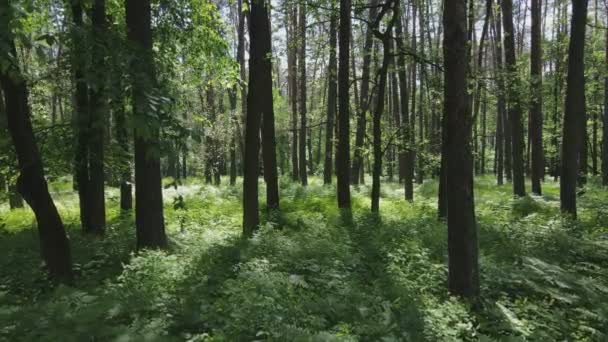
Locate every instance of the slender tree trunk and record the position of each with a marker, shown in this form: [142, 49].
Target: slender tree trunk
[365, 99]
[31, 184]
[575, 108]
[292, 71]
[343, 124]
[514, 101]
[332, 93]
[536, 114]
[149, 217]
[122, 137]
[605, 122]
[97, 114]
[463, 275]
[405, 116]
[302, 93]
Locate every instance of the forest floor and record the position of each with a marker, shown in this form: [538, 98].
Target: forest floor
[309, 276]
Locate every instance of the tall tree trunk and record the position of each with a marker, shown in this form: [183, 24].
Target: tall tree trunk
[122, 137]
[97, 114]
[332, 93]
[365, 99]
[292, 71]
[605, 122]
[81, 108]
[31, 184]
[302, 93]
[463, 275]
[517, 142]
[149, 217]
[405, 116]
[259, 78]
[536, 114]
[379, 108]
[574, 108]
[343, 125]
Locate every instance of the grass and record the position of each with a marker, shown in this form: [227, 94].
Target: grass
[310, 276]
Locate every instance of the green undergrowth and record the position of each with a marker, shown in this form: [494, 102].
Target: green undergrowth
[312, 274]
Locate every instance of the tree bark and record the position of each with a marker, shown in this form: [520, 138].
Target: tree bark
[149, 217]
[302, 94]
[536, 114]
[31, 184]
[463, 275]
[574, 108]
[343, 144]
[365, 99]
[517, 150]
[605, 122]
[332, 93]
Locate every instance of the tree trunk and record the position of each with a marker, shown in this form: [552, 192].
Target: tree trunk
[574, 108]
[31, 184]
[149, 217]
[343, 143]
[259, 76]
[517, 150]
[365, 98]
[332, 93]
[536, 114]
[302, 94]
[97, 125]
[605, 122]
[463, 275]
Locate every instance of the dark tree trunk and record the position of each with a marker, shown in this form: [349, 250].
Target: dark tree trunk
[233, 139]
[343, 125]
[501, 115]
[258, 62]
[31, 184]
[332, 93]
[302, 94]
[574, 108]
[463, 278]
[292, 71]
[97, 125]
[536, 114]
[149, 217]
[605, 124]
[378, 152]
[81, 108]
[517, 150]
[365, 98]
[404, 107]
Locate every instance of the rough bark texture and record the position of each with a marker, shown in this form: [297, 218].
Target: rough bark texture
[463, 277]
[343, 144]
[517, 143]
[149, 217]
[574, 109]
[536, 114]
[31, 184]
[332, 93]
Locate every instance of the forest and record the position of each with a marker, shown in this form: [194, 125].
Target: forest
[303, 170]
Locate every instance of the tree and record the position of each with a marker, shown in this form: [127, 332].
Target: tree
[385, 38]
[536, 114]
[574, 108]
[149, 217]
[365, 99]
[517, 147]
[31, 184]
[463, 277]
[97, 125]
[259, 77]
[605, 120]
[302, 93]
[408, 175]
[332, 93]
[343, 144]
